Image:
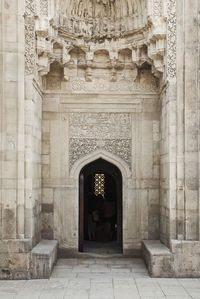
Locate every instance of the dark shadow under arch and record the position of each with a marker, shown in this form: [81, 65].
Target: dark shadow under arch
[113, 192]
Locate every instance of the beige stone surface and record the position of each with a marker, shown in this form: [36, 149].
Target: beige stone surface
[82, 80]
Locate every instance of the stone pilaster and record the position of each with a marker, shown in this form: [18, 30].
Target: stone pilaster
[12, 119]
[168, 132]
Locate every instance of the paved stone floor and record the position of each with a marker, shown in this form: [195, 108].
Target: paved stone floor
[102, 248]
[103, 278]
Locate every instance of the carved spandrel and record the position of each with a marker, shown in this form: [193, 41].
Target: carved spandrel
[78, 148]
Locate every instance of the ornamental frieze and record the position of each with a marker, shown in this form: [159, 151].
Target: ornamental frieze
[171, 38]
[79, 85]
[89, 132]
[100, 125]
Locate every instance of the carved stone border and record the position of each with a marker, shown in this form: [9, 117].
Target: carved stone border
[29, 37]
[171, 38]
[157, 8]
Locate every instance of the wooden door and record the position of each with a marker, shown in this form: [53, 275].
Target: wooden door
[81, 212]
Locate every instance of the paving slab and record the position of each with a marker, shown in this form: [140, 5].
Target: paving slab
[101, 279]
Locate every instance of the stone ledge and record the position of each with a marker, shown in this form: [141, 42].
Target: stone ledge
[44, 256]
[182, 260]
[158, 258]
[156, 247]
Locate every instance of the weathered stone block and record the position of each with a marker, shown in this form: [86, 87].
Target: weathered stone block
[44, 256]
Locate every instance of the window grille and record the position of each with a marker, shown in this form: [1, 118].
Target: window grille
[99, 184]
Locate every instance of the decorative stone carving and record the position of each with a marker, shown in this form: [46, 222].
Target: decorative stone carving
[101, 18]
[29, 36]
[29, 8]
[91, 131]
[100, 125]
[44, 7]
[157, 8]
[156, 131]
[121, 148]
[171, 38]
[124, 86]
[95, 21]
[80, 147]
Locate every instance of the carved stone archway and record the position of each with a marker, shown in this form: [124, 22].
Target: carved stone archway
[100, 154]
[126, 180]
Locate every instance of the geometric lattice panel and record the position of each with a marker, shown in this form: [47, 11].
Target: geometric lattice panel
[99, 184]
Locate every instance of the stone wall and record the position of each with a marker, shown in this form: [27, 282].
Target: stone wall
[71, 95]
[20, 143]
[14, 253]
[179, 129]
[75, 130]
[12, 124]
[33, 146]
[189, 92]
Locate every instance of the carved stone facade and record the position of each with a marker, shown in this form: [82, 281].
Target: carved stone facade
[44, 7]
[86, 80]
[102, 18]
[29, 37]
[157, 8]
[171, 40]
[92, 131]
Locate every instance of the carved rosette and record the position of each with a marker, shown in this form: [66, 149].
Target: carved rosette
[171, 38]
[92, 131]
[29, 37]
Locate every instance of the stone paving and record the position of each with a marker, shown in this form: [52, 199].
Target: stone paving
[102, 278]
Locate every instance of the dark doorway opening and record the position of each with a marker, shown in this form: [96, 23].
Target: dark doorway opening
[100, 208]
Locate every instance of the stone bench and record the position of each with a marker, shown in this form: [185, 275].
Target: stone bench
[158, 258]
[44, 256]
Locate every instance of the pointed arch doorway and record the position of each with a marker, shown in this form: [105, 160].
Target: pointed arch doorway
[100, 208]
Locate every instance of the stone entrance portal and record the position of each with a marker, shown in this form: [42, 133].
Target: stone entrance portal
[100, 208]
